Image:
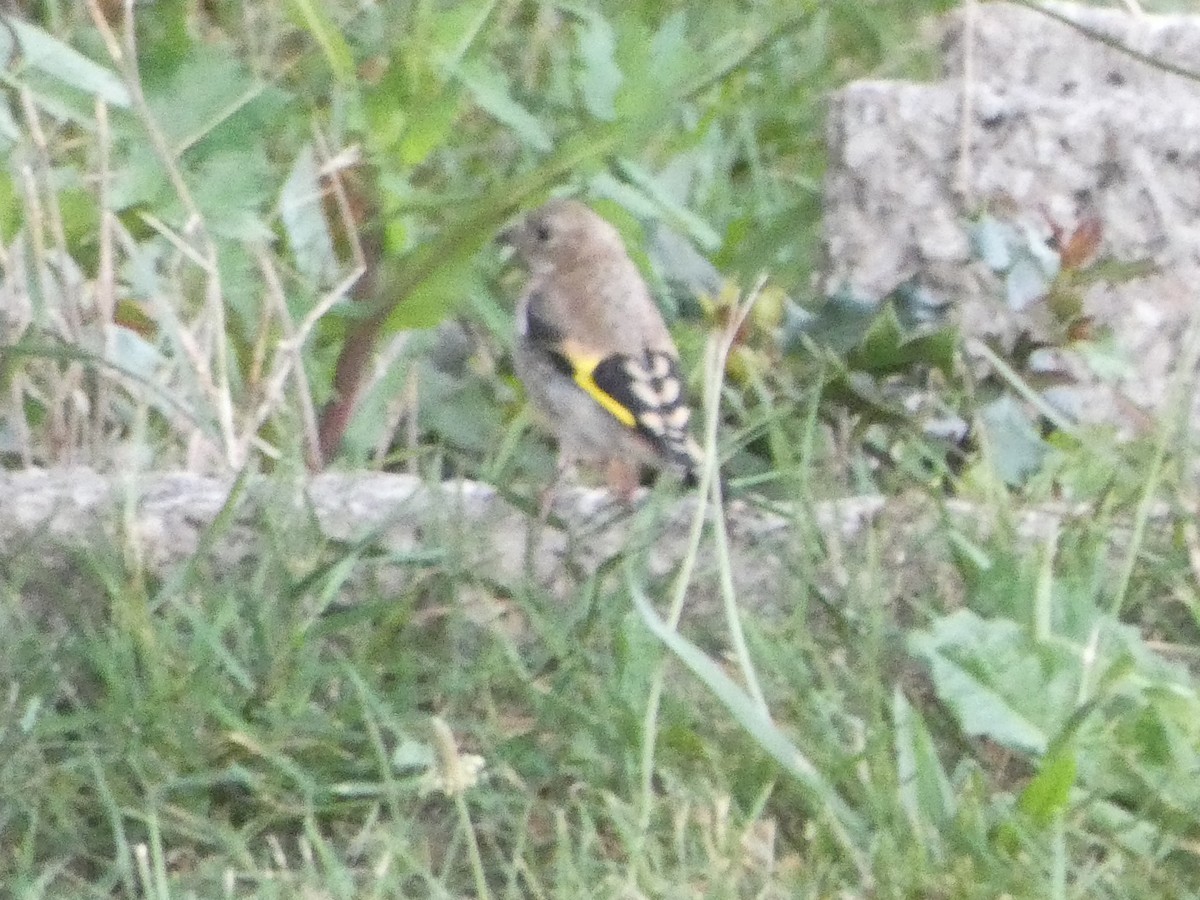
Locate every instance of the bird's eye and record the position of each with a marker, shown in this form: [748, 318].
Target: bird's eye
[541, 231]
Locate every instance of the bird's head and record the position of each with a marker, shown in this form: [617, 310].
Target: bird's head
[559, 233]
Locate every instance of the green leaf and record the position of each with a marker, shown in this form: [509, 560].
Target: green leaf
[304, 221]
[10, 132]
[212, 98]
[672, 58]
[1025, 284]
[840, 322]
[48, 54]
[489, 88]
[887, 348]
[992, 242]
[141, 179]
[879, 349]
[983, 711]
[460, 410]
[163, 39]
[413, 755]
[456, 28]
[429, 125]
[678, 214]
[680, 265]
[924, 789]
[81, 223]
[1046, 796]
[599, 78]
[848, 825]
[316, 20]
[431, 300]
[130, 352]
[241, 287]
[988, 675]
[860, 394]
[12, 209]
[1015, 448]
[232, 189]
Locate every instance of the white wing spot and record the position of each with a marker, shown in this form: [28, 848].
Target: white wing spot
[636, 371]
[677, 417]
[645, 393]
[652, 421]
[670, 391]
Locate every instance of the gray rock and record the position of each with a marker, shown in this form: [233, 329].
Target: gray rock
[1058, 127]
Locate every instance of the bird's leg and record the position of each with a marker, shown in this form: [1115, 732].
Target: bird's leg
[562, 473]
[622, 477]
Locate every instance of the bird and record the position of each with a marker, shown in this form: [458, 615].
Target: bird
[593, 351]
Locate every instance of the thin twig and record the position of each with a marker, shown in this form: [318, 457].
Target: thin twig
[964, 173]
[288, 360]
[1181, 399]
[720, 535]
[715, 357]
[1112, 42]
[124, 54]
[331, 168]
[105, 283]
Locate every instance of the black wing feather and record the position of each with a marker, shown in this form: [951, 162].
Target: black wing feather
[651, 387]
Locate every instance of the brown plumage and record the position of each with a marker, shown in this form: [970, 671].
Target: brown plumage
[593, 351]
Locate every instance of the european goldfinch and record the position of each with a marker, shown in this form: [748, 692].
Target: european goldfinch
[593, 351]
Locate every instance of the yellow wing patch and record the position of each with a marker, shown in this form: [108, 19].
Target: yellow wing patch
[582, 368]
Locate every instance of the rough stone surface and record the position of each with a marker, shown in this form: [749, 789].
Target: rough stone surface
[51, 522]
[1049, 124]
[55, 525]
[1014, 46]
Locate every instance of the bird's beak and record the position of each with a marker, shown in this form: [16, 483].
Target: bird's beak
[506, 243]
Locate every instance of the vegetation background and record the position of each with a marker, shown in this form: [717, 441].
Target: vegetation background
[257, 236]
